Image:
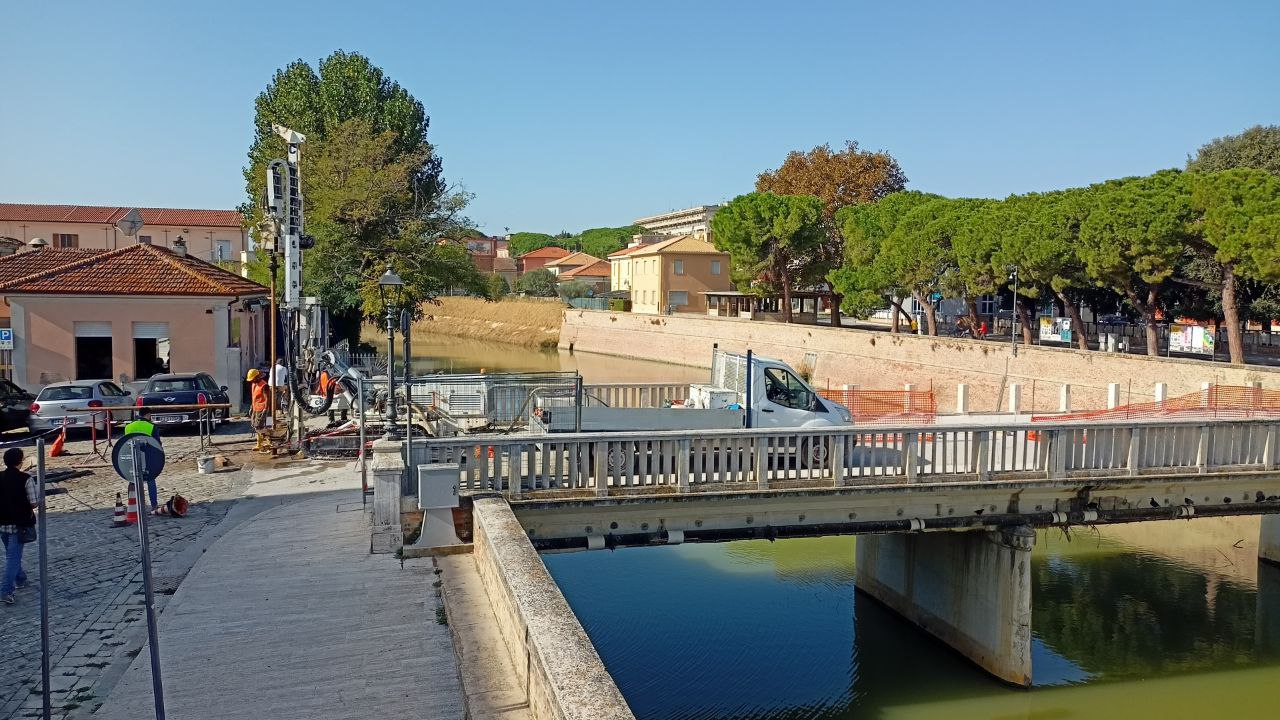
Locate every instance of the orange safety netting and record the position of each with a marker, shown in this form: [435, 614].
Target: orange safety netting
[907, 407]
[1216, 401]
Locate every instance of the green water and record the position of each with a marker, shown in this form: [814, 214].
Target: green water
[760, 630]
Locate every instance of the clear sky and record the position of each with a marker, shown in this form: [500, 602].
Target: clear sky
[568, 115]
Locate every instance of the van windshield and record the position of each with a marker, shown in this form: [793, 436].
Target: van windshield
[785, 389]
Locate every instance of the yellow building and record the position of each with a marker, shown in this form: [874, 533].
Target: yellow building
[670, 275]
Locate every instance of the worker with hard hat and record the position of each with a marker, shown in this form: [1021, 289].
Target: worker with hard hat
[260, 407]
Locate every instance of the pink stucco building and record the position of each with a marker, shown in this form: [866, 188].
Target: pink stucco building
[128, 313]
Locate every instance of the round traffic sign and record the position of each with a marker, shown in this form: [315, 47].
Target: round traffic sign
[150, 454]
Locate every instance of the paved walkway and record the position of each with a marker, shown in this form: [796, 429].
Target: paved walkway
[287, 615]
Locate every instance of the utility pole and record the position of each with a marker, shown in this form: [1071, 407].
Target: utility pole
[1013, 314]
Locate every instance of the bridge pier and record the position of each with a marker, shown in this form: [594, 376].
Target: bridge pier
[1269, 539]
[971, 590]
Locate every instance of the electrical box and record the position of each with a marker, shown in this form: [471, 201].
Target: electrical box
[438, 486]
[709, 397]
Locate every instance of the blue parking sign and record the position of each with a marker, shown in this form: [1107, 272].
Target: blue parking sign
[6, 338]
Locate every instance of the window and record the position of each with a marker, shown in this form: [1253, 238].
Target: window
[715, 267]
[221, 250]
[62, 240]
[110, 390]
[207, 383]
[144, 239]
[785, 389]
[679, 267]
[677, 298]
[66, 392]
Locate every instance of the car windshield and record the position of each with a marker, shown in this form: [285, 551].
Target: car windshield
[172, 385]
[66, 392]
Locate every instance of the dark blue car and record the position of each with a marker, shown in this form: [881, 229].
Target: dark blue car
[182, 390]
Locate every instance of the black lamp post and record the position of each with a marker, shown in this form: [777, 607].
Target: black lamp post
[390, 286]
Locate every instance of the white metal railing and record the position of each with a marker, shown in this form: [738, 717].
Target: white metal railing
[636, 395]
[688, 461]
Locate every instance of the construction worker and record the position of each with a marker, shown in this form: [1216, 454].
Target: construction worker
[260, 407]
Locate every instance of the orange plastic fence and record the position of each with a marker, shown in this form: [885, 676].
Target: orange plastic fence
[1217, 401]
[887, 407]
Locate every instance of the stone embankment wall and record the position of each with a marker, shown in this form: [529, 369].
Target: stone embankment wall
[880, 360]
[520, 321]
[557, 664]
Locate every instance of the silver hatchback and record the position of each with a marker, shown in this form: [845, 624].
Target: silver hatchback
[79, 404]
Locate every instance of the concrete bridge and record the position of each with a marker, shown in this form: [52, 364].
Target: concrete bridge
[945, 514]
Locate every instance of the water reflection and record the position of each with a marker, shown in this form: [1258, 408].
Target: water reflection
[754, 629]
[438, 353]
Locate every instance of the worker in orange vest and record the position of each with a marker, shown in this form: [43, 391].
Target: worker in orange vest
[260, 407]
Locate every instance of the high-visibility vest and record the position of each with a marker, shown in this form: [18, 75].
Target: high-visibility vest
[261, 395]
[140, 426]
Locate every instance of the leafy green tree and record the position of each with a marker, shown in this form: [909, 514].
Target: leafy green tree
[372, 184]
[1132, 239]
[1239, 224]
[526, 242]
[496, 287]
[839, 179]
[973, 227]
[767, 236]
[920, 255]
[1038, 233]
[576, 289]
[602, 241]
[538, 283]
[1258, 147]
[864, 279]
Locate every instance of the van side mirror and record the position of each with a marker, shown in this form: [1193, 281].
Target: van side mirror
[224, 388]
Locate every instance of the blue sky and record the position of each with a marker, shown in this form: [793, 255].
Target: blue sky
[568, 115]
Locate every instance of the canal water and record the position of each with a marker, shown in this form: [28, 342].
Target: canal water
[1168, 620]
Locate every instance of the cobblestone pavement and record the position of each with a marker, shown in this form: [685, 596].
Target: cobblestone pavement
[96, 617]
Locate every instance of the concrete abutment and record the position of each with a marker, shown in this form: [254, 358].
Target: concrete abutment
[971, 590]
[1269, 539]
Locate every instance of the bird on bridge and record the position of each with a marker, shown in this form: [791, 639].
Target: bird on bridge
[1154, 504]
[1260, 497]
[1188, 501]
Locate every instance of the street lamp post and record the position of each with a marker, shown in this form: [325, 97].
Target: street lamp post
[1013, 313]
[390, 287]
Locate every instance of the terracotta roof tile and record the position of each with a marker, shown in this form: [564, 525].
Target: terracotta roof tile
[578, 258]
[102, 215]
[599, 268]
[627, 250]
[550, 251]
[133, 270]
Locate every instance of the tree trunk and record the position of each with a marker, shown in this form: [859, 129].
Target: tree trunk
[1231, 316]
[784, 278]
[931, 321]
[1148, 310]
[893, 315]
[973, 317]
[1077, 325]
[836, 298]
[1024, 317]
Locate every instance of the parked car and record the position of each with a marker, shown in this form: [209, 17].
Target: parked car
[79, 404]
[181, 389]
[1113, 319]
[15, 406]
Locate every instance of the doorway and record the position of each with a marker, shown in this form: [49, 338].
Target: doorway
[93, 351]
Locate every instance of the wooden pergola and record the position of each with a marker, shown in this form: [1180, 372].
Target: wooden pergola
[805, 305]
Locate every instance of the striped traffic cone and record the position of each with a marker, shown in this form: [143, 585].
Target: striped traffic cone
[119, 519]
[132, 515]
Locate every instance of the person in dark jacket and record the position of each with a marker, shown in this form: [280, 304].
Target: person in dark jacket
[18, 501]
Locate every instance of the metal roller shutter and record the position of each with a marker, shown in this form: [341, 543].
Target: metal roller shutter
[93, 329]
[153, 330]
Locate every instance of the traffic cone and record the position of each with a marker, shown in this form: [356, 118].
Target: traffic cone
[132, 515]
[118, 518]
[56, 449]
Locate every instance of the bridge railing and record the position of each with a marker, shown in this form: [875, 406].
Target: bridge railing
[693, 461]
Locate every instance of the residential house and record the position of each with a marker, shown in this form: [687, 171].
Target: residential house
[595, 274]
[128, 313]
[535, 259]
[571, 261]
[210, 235]
[483, 252]
[671, 276]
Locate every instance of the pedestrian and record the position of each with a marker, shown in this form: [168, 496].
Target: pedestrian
[982, 330]
[279, 382]
[18, 502]
[260, 407]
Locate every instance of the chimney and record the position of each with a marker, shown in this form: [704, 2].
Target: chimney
[180, 247]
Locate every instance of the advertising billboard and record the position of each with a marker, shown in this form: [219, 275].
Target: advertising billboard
[1191, 339]
[1055, 329]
